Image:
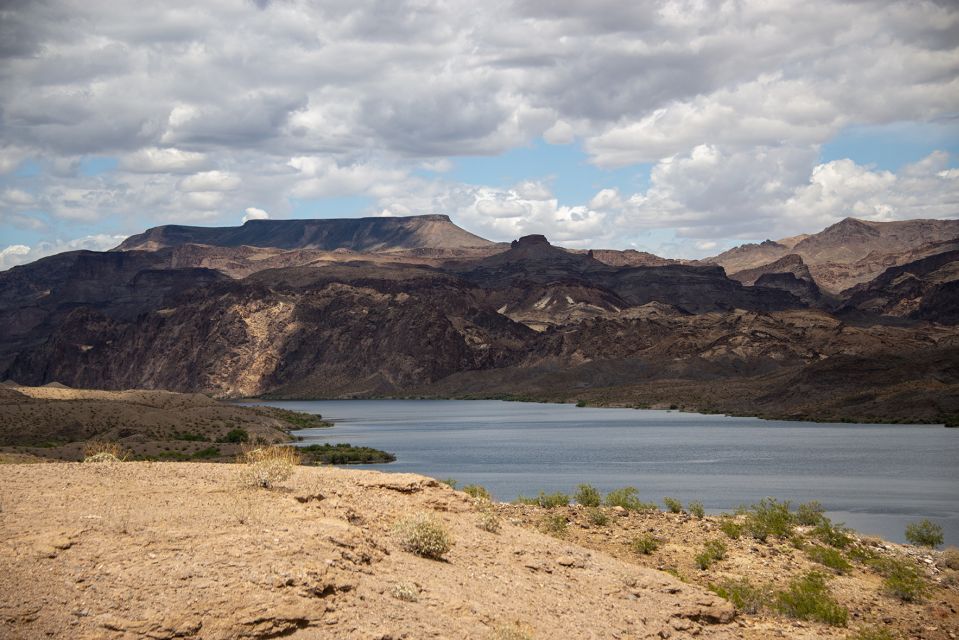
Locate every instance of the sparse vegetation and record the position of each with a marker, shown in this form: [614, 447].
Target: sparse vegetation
[295, 419]
[808, 598]
[554, 524]
[673, 505]
[344, 454]
[644, 544]
[103, 451]
[450, 482]
[546, 500]
[744, 595]
[597, 517]
[237, 436]
[424, 535]
[477, 491]
[829, 557]
[714, 551]
[950, 557]
[697, 509]
[835, 535]
[587, 495]
[405, 591]
[628, 498]
[267, 466]
[489, 520]
[924, 533]
[769, 518]
[809, 514]
[732, 528]
[515, 631]
[874, 633]
[903, 579]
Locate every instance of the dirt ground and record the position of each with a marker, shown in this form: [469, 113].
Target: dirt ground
[187, 550]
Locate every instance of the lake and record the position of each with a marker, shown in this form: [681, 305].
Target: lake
[875, 478]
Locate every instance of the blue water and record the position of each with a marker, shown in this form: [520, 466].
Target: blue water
[875, 478]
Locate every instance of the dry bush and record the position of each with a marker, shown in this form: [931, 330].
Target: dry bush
[104, 451]
[950, 557]
[268, 466]
[405, 591]
[515, 631]
[423, 535]
[489, 520]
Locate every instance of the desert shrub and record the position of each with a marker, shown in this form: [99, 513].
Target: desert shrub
[673, 505]
[903, 580]
[189, 437]
[829, 557]
[744, 595]
[237, 436]
[268, 466]
[424, 535]
[551, 500]
[732, 528]
[206, 453]
[587, 495]
[628, 498]
[644, 544]
[835, 535]
[554, 524]
[769, 518]
[713, 551]
[809, 513]
[924, 533]
[598, 517]
[950, 557]
[581, 403]
[951, 580]
[405, 591]
[697, 509]
[449, 482]
[489, 520]
[103, 451]
[862, 554]
[515, 631]
[808, 598]
[874, 633]
[477, 491]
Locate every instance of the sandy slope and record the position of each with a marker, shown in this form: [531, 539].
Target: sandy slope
[167, 550]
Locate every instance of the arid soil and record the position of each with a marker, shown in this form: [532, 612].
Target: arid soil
[173, 550]
[771, 565]
[167, 550]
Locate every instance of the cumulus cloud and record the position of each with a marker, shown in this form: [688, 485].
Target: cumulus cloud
[13, 255]
[252, 213]
[211, 106]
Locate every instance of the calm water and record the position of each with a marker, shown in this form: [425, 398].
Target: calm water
[875, 478]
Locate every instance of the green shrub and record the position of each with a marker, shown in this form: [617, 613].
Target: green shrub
[903, 579]
[598, 517]
[545, 500]
[714, 551]
[628, 498]
[744, 595]
[829, 557]
[423, 535]
[581, 403]
[587, 495]
[732, 528]
[697, 509]
[874, 633]
[835, 535]
[189, 437]
[769, 518]
[673, 505]
[207, 453]
[924, 533]
[809, 513]
[477, 491]
[237, 436]
[808, 598]
[449, 482]
[554, 524]
[644, 544]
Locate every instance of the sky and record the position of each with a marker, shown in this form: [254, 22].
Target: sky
[680, 127]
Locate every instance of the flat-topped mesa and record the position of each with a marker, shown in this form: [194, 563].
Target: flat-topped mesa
[530, 241]
[434, 231]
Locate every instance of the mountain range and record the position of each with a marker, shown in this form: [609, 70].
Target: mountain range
[859, 321]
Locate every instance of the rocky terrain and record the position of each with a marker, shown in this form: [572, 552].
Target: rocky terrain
[418, 306]
[167, 550]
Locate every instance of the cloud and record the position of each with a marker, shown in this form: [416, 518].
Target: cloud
[169, 160]
[16, 254]
[252, 213]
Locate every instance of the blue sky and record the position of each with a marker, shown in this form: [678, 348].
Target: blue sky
[665, 126]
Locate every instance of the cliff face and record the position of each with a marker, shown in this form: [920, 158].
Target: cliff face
[308, 322]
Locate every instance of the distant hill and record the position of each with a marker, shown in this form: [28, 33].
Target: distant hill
[847, 253]
[355, 234]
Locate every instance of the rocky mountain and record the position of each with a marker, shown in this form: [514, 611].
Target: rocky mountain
[849, 252]
[356, 234]
[323, 317]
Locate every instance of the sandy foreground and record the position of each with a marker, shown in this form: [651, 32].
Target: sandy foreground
[181, 550]
[171, 550]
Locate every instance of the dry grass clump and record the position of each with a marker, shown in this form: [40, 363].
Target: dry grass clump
[950, 557]
[515, 631]
[267, 466]
[104, 451]
[406, 592]
[489, 520]
[422, 534]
